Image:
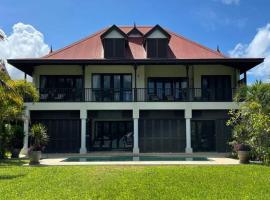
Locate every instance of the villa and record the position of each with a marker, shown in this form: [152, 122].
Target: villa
[137, 89]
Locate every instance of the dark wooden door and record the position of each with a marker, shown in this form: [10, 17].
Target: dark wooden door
[64, 135]
[203, 135]
[223, 133]
[64, 130]
[162, 135]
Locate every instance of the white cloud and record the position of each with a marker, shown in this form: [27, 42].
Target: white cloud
[230, 2]
[24, 42]
[258, 47]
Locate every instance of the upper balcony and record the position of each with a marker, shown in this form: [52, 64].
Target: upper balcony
[136, 95]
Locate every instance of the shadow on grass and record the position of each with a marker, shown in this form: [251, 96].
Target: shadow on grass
[12, 162]
[9, 177]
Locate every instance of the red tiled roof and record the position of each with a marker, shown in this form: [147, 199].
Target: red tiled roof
[91, 47]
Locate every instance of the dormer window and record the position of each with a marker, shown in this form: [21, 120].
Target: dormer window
[157, 42]
[114, 48]
[114, 43]
[157, 47]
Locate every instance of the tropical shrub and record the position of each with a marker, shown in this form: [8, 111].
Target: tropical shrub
[5, 130]
[16, 137]
[251, 122]
[38, 137]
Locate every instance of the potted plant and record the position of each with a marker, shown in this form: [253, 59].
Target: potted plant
[16, 140]
[39, 138]
[243, 151]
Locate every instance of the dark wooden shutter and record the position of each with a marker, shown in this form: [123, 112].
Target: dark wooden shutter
[108, 48]
[119, 48]
[162, 48]
[114, 48]
[151, 48]
[157, 48]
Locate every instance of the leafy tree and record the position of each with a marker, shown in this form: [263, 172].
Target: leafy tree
[251, 122]
[12, 94]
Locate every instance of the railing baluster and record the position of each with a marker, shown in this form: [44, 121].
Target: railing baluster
[133, 95]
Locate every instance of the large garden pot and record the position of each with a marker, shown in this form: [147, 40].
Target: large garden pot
[34, 157]
[15, 153]
[243, 157]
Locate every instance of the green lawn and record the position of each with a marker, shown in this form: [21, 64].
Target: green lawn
[134, 182]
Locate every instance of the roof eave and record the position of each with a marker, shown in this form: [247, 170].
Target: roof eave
[243, 64]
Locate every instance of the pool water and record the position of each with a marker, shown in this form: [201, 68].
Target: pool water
[133, 158]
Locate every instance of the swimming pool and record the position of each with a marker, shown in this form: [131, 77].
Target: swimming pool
[133, 158]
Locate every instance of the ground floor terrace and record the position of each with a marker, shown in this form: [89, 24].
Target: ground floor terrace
[132, 127]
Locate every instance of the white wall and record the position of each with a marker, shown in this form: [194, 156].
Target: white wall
[164, 71]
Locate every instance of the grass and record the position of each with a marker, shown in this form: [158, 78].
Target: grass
[134, 182]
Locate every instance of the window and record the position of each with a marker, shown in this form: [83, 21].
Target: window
[157, 48]
[114, 48]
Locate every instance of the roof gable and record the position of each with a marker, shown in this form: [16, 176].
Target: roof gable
[113, 32]
[157, 32]
[135, 32]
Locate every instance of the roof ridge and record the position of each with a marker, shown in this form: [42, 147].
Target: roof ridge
[130, 26]
[196, 43]
[75, 43]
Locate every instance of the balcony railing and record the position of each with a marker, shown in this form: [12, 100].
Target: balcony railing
[135, 95]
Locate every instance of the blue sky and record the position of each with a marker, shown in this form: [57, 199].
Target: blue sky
[209, 22]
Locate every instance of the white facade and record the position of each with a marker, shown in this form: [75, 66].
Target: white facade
[143, 73]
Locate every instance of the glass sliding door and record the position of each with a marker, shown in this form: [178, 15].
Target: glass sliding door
[167, 89]
[61, 88]
[127, 88]
[96, 84]
[216, 88]
[117, 87]
[107, 88]
[112, 87]
[112, 135]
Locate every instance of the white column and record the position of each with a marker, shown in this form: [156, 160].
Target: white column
[188, 136]
[26, 132]
[136, 150]
[188, 115]
[83, 136]
[83, 116]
